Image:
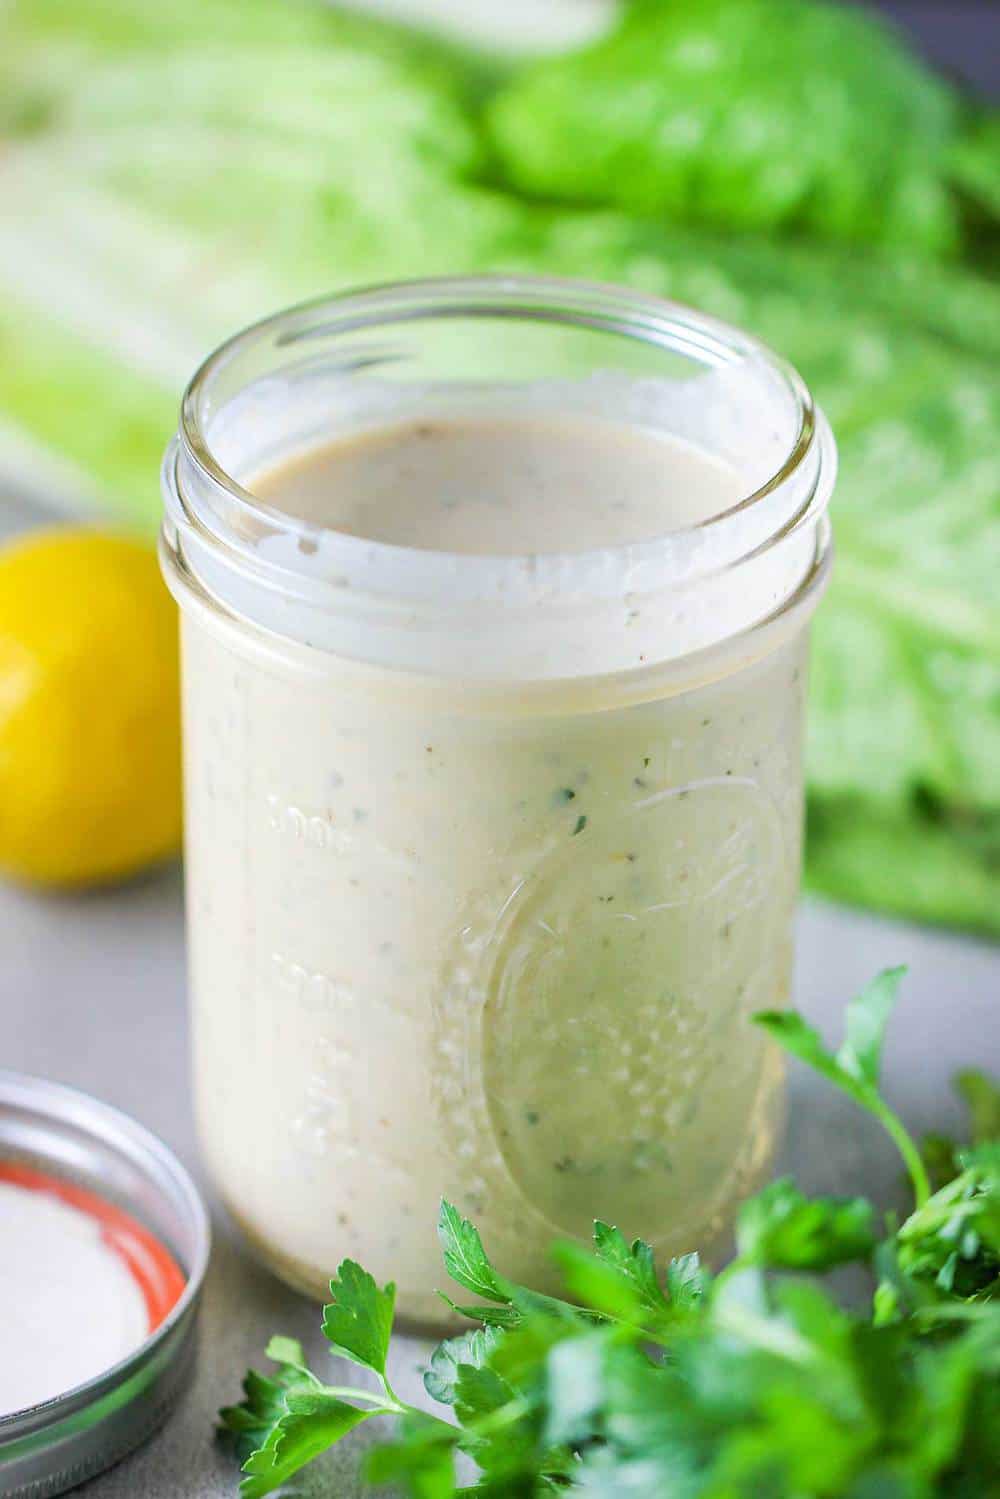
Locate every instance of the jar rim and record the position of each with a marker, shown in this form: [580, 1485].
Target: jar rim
[383, 602]
[603, 306]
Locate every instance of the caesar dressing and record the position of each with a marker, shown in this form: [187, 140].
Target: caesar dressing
[510, 958]
[503, 486]
[494, 598]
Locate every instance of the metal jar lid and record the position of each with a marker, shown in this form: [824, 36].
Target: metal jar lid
[44, 1127]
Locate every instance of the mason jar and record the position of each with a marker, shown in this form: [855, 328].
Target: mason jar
[490, 856]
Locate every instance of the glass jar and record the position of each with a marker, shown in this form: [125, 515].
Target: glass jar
[489, 858]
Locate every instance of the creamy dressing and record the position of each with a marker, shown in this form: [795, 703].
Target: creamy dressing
[503, 486]
[69, 1308]
[502, 952]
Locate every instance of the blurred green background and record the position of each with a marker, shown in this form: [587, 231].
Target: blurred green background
[170, 172]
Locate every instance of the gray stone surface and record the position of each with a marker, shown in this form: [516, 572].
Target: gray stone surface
[92, 993]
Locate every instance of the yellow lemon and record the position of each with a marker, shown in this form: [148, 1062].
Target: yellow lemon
[90, 785]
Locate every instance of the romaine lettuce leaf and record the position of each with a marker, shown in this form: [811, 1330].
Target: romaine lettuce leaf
[741, 114]
[975, 164]
[909, 865]
[98, 420]
[172, 172]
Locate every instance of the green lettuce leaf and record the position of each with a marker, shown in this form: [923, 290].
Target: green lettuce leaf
[171, 173]
[975, 164]
[743, 114]
[906, 865]
[79, 413]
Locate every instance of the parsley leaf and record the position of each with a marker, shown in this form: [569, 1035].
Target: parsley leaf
[855, 1067]
[782, 1229]
[469, 1349]
[687, 1281]
[619, 1280]
[358, 1321]
[286, 1419]
[982, 1097]
[313, 1421]
[604, 1287]
[264, 1396]
[634, 1261]
[866, 1020]
[952, 1241]
[465, 1259]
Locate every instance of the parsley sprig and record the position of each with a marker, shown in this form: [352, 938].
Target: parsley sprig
[677, 1384]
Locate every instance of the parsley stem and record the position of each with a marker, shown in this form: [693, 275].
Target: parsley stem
[504, 1415]
[387, 1389]
[387, 1402]
[908, 1150]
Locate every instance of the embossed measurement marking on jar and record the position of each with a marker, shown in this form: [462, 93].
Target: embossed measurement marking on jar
[315, 991]
[315, 829]
[322, 832]
[325, 1119]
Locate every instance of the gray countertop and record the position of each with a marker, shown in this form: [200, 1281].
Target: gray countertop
[92, 994]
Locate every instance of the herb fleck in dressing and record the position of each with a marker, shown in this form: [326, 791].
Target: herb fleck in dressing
[503, 955]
